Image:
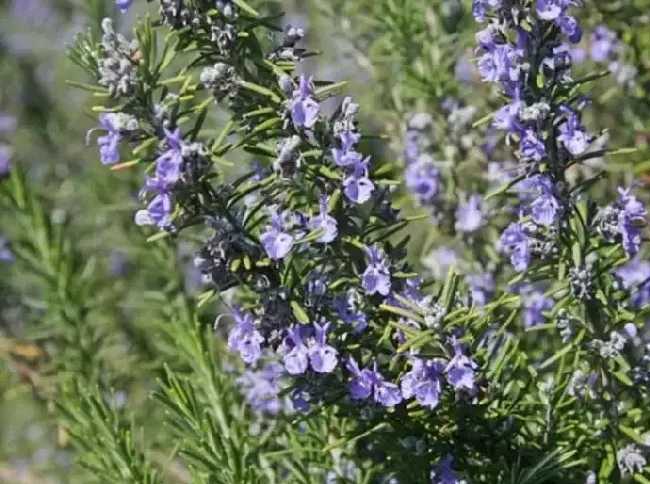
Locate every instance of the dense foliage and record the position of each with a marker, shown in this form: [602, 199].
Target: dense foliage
[384, 241]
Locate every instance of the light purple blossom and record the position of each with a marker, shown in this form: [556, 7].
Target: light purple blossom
[296, 359]
[5, 252]
[469, 216]
[534, 304]
[324, 222]
[461, 370]
[482, 287]
[370, 382]
[550, 9]
[545, 209]
[516, 243]
[347, 309]
[358, 187]
[481, 7]
[444, 473]
[304, 108]
[323, 357]
[635, 277]
[570, 27]
[486, 38]
[262, 389]
[345, 155]
[507, 117]
[440, 260]
[158, 211]
[502, 63]
[170, 163]
[572, 134]
[531, 148]
[361, 385]
[8, 123]
[109, 142]
[423, 178]
[5, 158]
[386, 393]
[277, 242]
[631, 220]
[123, 5]
[376, 278]
[423, 382]
[244, 338]
[538, 192]
[603, 42]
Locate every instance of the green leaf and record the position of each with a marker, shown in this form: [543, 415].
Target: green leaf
[247, 8]
[299, 313]
[251, 86]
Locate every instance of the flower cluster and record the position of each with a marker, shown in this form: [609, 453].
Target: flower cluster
[524, 52]
[328, 308]
[283, 247]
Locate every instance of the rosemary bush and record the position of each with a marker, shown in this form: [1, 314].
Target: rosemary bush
[383, 241]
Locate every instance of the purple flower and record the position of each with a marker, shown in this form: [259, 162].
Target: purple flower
[635, 277]
[376, 278]
[440, 260]
[346, 156]
[300, 400]
[5, 158]
[631, 220]
[507, 117]
[502, 63]
[482, 287]
[423, 382]
[262, 388]
[8, 123]
[469, 217]
[170, 163]
[386, 393]
[323, 357]
[296, 359]
[324, 222]
[276, 241]
[531, 148]
[603, 42]
[481, 7]
[569, 27]
[304, 108]
[109, 143]
[545, 208]
[487, 37]
[460, 370]
[119, 263]
[444, 473]
[347, 309]
[534, 304]
[422, 178]
[5, 252]
[358, 187]
[578, 55]
[573, 135]
[464, 70]
[123, 5]
[370, 382]
[550, 9]
[158, 212]
[361, 385]
[516, 243]
[244, 337]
